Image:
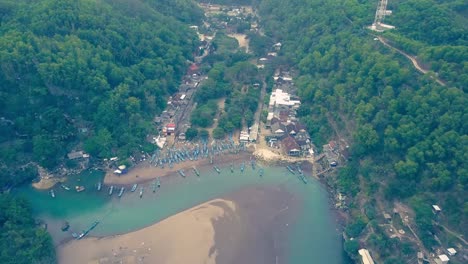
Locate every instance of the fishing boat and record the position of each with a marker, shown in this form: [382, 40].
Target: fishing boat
[261, 172]
[196, 171]
[303, 178]
[242, 167]
[182, 173]
[211, 159]
[65, 187]
[84, 233]
[99, 186]
[158, 182]
[232, 168]
[79, 188]
[154, 186]
[299, 170]
[252, 162]
[141, 192]
[111, 189]
[52, 193]
[217, 169]
[134, 187]
[290, 169]
[121, 191]
[65, 226]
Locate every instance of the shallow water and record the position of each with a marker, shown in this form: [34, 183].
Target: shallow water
[313, 238]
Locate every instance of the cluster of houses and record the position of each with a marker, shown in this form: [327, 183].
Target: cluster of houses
[285, 130]
[178, 104]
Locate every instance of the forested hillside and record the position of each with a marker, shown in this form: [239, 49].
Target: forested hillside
[408, 133]
[80, 74]
[87, 71]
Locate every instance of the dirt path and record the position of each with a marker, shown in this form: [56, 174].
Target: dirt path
[411, 58]
[454, 234]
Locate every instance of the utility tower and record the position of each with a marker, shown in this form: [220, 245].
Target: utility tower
[380, 14]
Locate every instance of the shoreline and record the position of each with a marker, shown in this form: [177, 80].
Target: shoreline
[144, 172]
[222, 230]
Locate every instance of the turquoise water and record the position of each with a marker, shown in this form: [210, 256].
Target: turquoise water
[313, 239]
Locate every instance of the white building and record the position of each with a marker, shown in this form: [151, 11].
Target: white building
[280, 98]
[451, 251]
[365, 256]
[244, 137]
[442, 259]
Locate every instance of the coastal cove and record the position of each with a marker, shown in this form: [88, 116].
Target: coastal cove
[290, 211]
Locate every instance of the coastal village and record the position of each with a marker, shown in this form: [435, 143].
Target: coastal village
[280, 138]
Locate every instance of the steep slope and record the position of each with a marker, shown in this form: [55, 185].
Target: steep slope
[100, 67]
[408, 133]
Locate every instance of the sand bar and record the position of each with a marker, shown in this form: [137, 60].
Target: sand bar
[187, 237]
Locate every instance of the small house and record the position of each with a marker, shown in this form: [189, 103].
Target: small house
[170, 128]
[290, 146]
[451, 251]
[436, 209]
[75, 155]
[442, 259]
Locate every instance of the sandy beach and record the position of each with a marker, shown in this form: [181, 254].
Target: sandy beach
[144, 171]
[247, 226]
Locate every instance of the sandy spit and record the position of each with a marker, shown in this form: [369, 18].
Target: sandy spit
[187, 237]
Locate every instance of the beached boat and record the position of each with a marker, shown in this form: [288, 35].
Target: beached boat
[99, 186]
[232, 168]
[261, 172]
[65, 187]
[182, 173]
[141, 192]
[217, 169]
[290, 169]
[252, 162]
[196, 171]
[121, 191]
[111, 189]
[134, 187]
[52, 193]
[79, 188]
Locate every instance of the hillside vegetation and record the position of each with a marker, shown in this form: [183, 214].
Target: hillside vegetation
[408, 133]
[81, 74]
[87, 71]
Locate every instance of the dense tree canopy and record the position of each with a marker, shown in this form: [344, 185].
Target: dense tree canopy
[412, 129]
[21, 240]
[103, 66]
